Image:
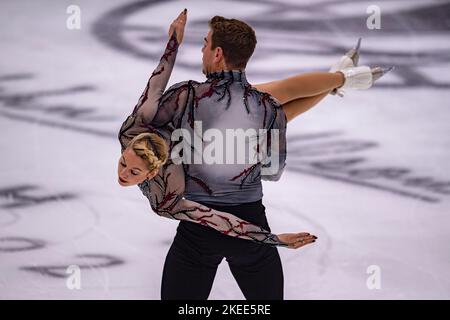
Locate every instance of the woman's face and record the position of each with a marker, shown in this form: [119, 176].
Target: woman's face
[132, 169]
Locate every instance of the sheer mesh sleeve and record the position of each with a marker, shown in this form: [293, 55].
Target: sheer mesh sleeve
[165, 193]
[147, 105]
[177, 100]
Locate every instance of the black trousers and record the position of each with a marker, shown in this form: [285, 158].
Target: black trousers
[197, 251]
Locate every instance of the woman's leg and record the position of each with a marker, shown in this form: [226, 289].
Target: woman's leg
[302, 85]
[296, 107]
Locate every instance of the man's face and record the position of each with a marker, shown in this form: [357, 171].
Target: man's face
[208, 55]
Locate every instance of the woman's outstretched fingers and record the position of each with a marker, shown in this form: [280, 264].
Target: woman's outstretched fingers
[302, 243]
[180, 19]
[303, 239]
[178, 26]
[297, 240]
[303, 233]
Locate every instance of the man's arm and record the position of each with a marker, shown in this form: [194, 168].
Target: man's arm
[275, 162]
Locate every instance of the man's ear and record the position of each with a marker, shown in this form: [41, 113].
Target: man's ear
[218, 54]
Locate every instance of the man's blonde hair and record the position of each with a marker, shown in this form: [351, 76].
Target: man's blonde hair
[151, 148]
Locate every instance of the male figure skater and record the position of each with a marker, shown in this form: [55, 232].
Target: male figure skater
[225, 102]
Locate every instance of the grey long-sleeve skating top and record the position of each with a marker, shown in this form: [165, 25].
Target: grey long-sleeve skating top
[162, 114]
[237, 121]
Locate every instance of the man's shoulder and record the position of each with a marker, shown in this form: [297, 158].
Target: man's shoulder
[266, 97]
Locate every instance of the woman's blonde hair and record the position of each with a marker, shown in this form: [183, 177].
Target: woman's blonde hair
[151, 148]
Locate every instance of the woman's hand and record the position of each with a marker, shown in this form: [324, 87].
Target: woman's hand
[178, 25]
[297, 240]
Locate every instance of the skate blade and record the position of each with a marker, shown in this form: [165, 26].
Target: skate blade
[353, 53]
[378, 72]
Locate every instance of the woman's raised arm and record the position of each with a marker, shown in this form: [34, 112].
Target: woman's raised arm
[147, 106]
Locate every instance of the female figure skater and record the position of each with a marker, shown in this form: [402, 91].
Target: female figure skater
[145, 160]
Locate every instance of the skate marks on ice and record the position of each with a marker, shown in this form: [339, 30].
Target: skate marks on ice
[331, 155]
[15, 197]
[19, 197]
[83, 261]
[15, 244]
[293, 214]
[28, 107]
[298, 36]
[17, 201]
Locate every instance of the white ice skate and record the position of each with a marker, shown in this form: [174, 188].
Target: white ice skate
[356, 77]
[348, 60]
[362, 77]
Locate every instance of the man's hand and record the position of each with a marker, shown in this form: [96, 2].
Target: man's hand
[297, 240]
[178, 25]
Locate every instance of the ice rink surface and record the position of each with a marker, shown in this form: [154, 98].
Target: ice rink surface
[369, 173]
